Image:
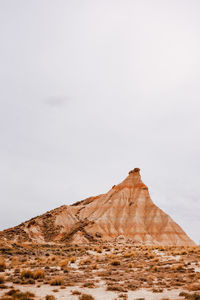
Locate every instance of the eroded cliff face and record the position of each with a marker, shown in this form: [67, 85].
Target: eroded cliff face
[125, 211]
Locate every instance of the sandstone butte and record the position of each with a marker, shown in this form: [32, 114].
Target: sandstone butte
[125, 212]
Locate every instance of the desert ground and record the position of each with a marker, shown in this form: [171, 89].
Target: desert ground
[106, 270]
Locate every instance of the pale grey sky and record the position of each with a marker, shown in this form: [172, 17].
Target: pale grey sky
[91, 89]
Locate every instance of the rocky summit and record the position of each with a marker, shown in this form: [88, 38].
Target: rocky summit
[124, 212]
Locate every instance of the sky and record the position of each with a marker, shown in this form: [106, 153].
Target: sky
[91, 89]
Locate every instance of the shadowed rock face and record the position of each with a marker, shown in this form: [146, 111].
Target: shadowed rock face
[125, 211]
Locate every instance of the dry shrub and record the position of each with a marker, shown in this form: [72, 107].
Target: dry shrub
[64, 263]
[178, 267]
[154, 268]
[2, 279]
[53, 261]
[98, 249]
[50, 297]
[73, 259]
[116, 287]
[156, 259]
[88, 284]
[183, 252]
[15, 261]
[94, 267]
[190, 296]
[115, 262]
[130, 265]
[18, 295]
[197, 275]
[123, 296]
[104, 273]
[86, 261]
[2, 264]
[140, 266]
[75, 292]
[127, 254]
[27, 274]
[57, 280]
[193, 287]
[150, 256]
[16, 270]
[86, 297]
[161, 248]
[157, 290]
[111, 256]
[39, 274]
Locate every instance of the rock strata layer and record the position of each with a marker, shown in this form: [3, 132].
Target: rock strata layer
[126, 211]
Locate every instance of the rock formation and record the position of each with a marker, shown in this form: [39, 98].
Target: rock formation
[125, 211]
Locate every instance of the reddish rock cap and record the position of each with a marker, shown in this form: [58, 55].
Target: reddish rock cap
[135, 170]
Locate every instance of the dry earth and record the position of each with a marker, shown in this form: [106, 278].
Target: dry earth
[119, 269]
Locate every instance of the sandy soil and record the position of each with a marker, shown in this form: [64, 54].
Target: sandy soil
[98, 293]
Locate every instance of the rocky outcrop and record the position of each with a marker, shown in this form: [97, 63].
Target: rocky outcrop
[125, 211]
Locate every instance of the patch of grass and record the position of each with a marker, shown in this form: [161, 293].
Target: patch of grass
[39, 274]
[178, 267]
[73, 259]
[86, 261]
[193, 287]
[86, 297]
[115, 262]
[89, 284]
[130, 265]
[157, 290]
[18, 295]
[50, 297]
[64, 263]
[27, 274]
[127, 254]
[190, 296]
[94, 267]
[75, 292]
[2, 279]
[116, 287]
[2, 264]
[154, 268]
[58, 280]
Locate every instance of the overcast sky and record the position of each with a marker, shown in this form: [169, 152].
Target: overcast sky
[91, 89]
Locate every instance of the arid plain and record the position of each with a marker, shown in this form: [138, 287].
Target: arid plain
[117, 270]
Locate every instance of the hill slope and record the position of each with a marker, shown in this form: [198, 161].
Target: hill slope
[126, 210]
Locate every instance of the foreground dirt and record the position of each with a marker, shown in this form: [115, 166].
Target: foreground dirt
[117, 270]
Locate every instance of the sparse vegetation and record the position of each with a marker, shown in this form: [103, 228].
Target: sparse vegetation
[18, 295]
[123, 267]
[155, 268]
[50, 297]
[73, 259]
[58, 280]
[115, 262]
[27, 274]
[178, 267]
[75, 292]
[190, 296]
[2, 264]
[64, 263]
[39, 274]
[86, 297]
